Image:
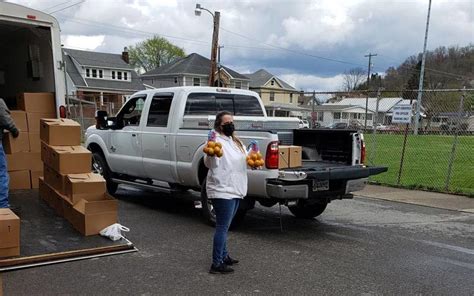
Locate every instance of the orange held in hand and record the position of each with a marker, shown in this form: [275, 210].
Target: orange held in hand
[255, 160]
[213, 149]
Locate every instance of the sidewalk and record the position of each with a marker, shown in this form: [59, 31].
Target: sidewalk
[418, 197]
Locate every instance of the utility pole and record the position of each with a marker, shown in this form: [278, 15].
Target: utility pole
[313, 99]
[219, 66]
[422, 73]
[215, 42]
[370, 55]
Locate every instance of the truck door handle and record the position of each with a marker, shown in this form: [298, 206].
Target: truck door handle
[134, 135]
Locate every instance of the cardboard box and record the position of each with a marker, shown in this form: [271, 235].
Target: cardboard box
[37, 103]
[35, 142]
[19, 180]
[90, 217]
[295, 156]
[24, 161]
[54, 179]
[60, 132]
[9, 233]
[13, 145]
[283, 157]
[33, 120]
[53, 198]
[67, 159]
[85, 186]
[34, 176]
[19, 117]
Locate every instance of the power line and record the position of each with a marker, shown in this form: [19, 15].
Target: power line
[64, 8]
[60, 4]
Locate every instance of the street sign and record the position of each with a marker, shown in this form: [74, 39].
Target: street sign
[402, 114]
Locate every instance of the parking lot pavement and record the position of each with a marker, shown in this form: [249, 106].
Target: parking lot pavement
[360, 246]
[418, 197]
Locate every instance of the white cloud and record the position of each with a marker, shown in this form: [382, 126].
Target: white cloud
[82, 42]
[313, 82]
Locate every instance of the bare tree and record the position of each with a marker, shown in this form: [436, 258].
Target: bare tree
[353, 78]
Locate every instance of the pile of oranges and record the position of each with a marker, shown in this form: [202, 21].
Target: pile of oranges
[255, 159]
[213, 148]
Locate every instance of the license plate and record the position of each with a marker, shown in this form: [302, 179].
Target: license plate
[320, 185]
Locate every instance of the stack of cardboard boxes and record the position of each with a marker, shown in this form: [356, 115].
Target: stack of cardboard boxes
[290, 157]
[9, 234]
[68, 185]
[23, 153]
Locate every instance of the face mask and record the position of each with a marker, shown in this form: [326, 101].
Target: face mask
[228, 129]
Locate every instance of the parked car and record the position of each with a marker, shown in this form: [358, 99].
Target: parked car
[303, 123]
[158, 137]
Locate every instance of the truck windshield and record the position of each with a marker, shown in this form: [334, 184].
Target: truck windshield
[211, 103]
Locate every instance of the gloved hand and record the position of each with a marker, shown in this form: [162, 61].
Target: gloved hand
[15, 133]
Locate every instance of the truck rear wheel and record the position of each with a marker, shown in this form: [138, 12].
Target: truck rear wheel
[99, 166]
[307, 211]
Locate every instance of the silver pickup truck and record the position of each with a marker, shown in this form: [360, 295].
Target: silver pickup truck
[156, 140]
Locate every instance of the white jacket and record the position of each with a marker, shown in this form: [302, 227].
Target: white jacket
[227, 176]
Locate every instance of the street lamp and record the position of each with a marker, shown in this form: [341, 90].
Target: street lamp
[215, 38]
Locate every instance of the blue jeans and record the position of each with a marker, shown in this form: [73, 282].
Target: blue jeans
[225, 211]
[3, 180]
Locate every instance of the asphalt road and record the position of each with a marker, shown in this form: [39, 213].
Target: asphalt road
[357, 247]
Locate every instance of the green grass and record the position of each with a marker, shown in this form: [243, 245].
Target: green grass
[426, 161]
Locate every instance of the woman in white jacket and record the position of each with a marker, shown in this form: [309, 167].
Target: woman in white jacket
[226, 186]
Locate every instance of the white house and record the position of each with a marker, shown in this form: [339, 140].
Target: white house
[353, 109]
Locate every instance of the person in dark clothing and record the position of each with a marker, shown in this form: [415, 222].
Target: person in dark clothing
[6, 123]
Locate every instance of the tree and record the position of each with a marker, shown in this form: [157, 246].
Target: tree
[353, 78]
[153, 53]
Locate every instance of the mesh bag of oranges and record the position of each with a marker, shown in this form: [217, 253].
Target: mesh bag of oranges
[254, 157]
[212, 147]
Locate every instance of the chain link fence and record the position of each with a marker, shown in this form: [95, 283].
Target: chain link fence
[437, 157]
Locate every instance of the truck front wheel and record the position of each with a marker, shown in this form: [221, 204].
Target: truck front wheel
[99, 166]
[307, 211]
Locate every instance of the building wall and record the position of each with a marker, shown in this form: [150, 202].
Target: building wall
[165, 81]
[281, 96]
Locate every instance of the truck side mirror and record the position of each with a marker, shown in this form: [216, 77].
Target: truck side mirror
[101, 119]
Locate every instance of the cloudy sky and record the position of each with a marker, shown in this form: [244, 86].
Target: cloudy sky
[308, 43]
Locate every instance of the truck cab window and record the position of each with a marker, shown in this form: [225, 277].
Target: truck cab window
[159, 110]
[210, 104]
[131, 112]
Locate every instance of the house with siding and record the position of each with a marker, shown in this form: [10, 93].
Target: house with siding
[353, 109]
[279, 98]
[104, 78]
[193, 70]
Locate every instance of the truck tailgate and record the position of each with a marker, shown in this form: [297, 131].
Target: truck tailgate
[328, 171]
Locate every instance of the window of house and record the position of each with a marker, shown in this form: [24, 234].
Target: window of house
[272, 95]
[369, 116]
[353, 115]
[238, 84]
[196, 81]
[337, 115]
[291, 98]
[176, 80]
[159, 110]
[345, 115]
[320, 116]
[125, 75]
[272, 82]
[101, 74]
[88, 73]
[119, 75]
[113, 74]
[94, 73]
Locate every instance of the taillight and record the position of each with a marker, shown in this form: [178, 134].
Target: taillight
[271, 158]
[62, 112]
[362, 151]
